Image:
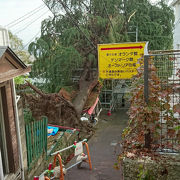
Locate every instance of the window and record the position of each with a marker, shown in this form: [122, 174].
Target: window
[3, 146]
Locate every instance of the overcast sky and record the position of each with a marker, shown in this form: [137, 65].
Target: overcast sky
[11, 10]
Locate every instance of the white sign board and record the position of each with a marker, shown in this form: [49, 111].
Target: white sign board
[78, 149]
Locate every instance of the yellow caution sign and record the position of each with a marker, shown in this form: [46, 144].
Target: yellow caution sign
[119, 61]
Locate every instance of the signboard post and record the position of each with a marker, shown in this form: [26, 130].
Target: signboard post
[120, 61]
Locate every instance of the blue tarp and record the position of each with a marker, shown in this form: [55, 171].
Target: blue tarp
[54, 130]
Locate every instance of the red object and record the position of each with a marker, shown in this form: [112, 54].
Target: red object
[109, 113]
[36, 177]
[115, 48]
[50, 166]
[63, 127]
[91, 109]
[75, 143]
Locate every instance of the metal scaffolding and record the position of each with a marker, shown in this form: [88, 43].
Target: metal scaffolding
[113, 94]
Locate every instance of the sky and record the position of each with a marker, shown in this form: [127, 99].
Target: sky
[29, 28]
[30, 25]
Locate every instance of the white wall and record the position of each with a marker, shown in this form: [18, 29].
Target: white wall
[176, 43]
[4, 37]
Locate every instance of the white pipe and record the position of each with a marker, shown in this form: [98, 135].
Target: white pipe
[1, 168]
[18, 130]
[84, 140]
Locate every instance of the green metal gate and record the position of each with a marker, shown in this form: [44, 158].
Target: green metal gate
[36, 140]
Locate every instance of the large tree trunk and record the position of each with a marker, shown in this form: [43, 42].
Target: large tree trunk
[58, 110]
[87, 82]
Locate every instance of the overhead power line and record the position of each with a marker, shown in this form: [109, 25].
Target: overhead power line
[48, 7]
[31, 39]
[14, 23]
[34, 20]
[25, 14]
[177, 22]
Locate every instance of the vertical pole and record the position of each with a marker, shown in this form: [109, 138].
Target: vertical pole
[39, 138]
[1, 169]
[137, 33]
[30, 142]
[146, 74]
[45, 130]
[27, 144]
[18, 130]
[146, 98]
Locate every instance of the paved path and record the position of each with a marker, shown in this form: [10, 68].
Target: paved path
[103, 150]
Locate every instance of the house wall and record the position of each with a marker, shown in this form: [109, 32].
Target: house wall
[12, 126]
[177, 26]
[10, 130]
[6, 65]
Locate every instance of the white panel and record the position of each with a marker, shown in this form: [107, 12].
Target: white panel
[4, 37]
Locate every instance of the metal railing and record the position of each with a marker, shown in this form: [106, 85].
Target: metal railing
[167, 65]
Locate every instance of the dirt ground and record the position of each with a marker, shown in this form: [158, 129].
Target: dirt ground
[104, 148]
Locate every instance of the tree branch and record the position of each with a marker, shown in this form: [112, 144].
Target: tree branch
[35, 89]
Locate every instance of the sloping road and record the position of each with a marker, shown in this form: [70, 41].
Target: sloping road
[104, 149]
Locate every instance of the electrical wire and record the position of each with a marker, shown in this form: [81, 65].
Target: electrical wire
[26, 14]
[34, 20]
[31, 39]
[177, 22]
[48, 7]
[34, 12]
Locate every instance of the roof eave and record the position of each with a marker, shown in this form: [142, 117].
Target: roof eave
[8, 49]
[17, 58]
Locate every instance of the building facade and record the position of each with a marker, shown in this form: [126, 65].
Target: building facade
[176, 5]
[10, 142]
[4, 37]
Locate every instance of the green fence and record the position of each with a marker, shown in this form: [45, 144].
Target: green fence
[36, 140]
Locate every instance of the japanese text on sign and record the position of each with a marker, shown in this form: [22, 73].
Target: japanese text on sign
[119, 61]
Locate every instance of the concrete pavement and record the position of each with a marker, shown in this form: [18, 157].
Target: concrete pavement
[104, 148]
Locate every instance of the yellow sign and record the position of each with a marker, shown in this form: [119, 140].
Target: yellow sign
[119, 61]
